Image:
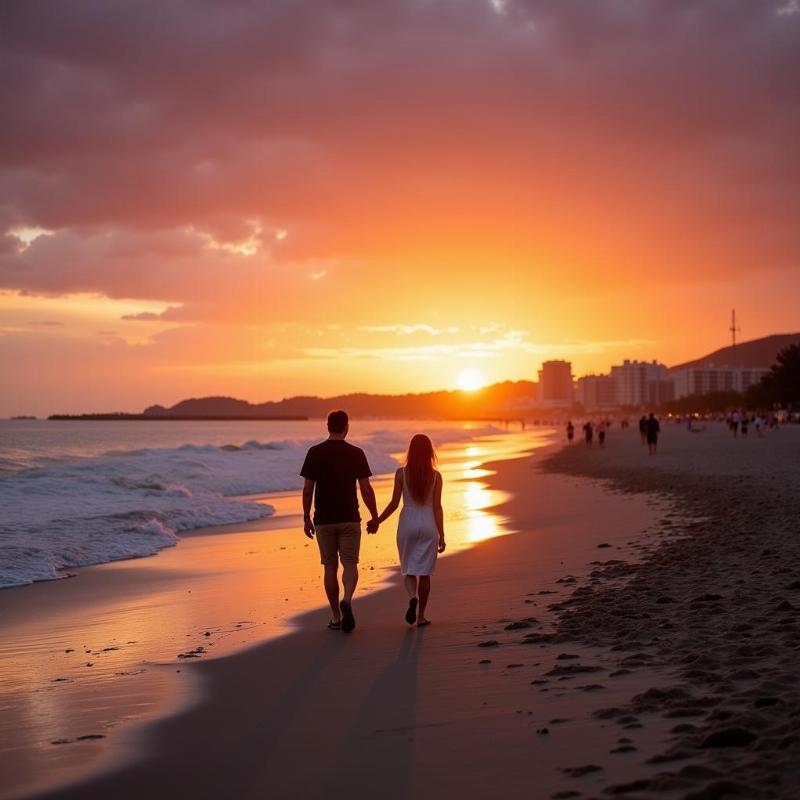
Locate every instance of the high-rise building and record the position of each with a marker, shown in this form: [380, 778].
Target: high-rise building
[555, 384]
[659, 392]
[633, 379]
[596, 392]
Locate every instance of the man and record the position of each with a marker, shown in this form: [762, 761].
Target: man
[331, 469]
[653, 429]
[643, 429]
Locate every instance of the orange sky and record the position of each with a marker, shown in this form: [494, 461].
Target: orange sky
[319, 198]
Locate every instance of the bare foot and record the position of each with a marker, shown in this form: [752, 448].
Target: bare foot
[422, 622]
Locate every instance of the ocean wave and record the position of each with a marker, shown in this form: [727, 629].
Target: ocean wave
[135, 503]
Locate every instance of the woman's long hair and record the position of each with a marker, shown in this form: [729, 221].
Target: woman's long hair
[420, 461]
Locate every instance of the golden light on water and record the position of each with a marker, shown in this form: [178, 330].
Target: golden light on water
[478, 523]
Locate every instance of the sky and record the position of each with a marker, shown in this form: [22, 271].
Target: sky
[315, 197]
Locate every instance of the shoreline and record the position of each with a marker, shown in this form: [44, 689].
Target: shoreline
[121, 492]
[553, 642]
[50, 652]
[389, 693]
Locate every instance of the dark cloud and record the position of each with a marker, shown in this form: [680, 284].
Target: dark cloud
[142, 316]
[663, 131]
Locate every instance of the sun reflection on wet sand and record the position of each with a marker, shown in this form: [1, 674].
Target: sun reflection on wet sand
[79, 657]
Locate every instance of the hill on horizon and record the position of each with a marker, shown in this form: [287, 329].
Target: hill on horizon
[754, 353]
[453, 404]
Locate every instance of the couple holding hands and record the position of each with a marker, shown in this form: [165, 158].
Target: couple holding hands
[331, 470]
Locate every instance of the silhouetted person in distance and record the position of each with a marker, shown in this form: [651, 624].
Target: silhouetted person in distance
[643, 429]
[570, 432]
[332, 469]
[745, 422]
[735, 418]
[601, 433]
[652, 429]
[588, 433]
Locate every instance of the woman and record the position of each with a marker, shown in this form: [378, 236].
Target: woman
[420, 531]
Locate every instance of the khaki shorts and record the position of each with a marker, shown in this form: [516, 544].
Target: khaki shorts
[339, 541]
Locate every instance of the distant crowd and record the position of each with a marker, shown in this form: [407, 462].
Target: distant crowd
[649, 430]
[742, 422]
[739, 423]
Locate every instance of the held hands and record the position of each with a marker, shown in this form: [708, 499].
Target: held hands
[373, 525]
[308, 528]
[442, 544]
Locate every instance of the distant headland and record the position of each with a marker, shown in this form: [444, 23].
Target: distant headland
[502, 398]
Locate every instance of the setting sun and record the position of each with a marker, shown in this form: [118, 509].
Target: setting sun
[470, 379]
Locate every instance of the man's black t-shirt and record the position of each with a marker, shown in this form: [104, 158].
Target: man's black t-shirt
[335, 465]
[652, 427]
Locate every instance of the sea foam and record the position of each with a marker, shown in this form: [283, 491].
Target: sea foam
[132, 504]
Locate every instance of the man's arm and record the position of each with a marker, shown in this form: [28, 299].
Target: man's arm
[368, 495]
[308, 496]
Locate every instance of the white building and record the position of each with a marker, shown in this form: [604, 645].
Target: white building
[555, 384]
[634, 382]
[703, 380]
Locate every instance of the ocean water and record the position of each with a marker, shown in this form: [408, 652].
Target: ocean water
[79, 493]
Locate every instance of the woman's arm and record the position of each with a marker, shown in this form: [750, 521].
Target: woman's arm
[438, 511]
[396, 495]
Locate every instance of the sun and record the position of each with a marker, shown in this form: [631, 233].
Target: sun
[470, 379]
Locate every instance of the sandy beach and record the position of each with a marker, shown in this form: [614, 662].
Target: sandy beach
[633, 634]
[714, 604]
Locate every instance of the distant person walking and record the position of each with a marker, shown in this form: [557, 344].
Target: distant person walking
[332, 469]
[588, 433]
[601, 433]
[643, 429]
[745, 424]
[570, 432]
[420, 530]
[652, 429]
[735, 419]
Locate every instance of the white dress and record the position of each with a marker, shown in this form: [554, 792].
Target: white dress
[417, 533]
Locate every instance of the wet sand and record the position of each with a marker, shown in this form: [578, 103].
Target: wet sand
[415, 713]
[82, 659]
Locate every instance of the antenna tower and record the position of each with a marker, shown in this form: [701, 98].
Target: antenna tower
[733, 331]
